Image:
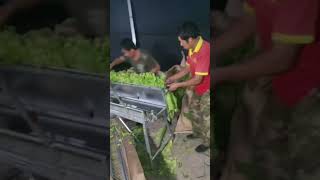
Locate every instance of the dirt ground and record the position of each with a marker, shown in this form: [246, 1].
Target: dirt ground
[191, 164]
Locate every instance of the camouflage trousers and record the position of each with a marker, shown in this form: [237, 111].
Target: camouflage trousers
[269, 141]
[304, 138]
[199, 114]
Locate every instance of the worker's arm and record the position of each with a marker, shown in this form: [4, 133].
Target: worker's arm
[237, 34]
[117, 61]
[191, 82]
[184, 71]
[156, 69]
[290, 32]
[277, 60]
[153, 64]
[201, 70]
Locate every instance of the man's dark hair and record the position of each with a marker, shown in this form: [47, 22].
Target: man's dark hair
[127, 44]
[188, 30]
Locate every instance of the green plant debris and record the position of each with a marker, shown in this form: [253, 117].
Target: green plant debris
[169, 159]
[45, 48]
[122, 134]
[160, 134]
[172, 104]
[163, 166]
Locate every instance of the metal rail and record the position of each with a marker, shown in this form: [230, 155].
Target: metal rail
[119, 166]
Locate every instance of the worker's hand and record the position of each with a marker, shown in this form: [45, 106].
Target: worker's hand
[173, 86]
[111, 66]
[169, 80]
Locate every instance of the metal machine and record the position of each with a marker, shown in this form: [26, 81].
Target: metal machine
[143, 105]
[53, 123]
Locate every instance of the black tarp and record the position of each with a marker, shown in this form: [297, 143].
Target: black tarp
[156, 23]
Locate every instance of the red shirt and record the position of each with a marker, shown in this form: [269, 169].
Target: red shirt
[198, 61]
[291, 22]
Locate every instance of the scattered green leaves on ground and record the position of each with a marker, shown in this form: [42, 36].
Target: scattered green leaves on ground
[163, 166]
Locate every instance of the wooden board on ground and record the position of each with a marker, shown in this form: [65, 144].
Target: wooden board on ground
[134, 165]
[184, 124]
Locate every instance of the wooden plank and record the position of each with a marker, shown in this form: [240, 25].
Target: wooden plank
[134, 165]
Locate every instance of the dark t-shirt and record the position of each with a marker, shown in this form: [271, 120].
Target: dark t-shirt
[144, 64]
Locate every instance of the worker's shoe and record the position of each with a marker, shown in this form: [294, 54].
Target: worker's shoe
[191, 136]
[201, 148]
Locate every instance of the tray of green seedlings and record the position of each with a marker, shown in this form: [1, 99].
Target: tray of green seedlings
[45, 48]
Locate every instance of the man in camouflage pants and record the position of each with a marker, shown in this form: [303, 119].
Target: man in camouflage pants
[198, 65]
[199, 114]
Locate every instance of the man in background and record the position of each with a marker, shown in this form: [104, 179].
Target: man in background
[140, 60]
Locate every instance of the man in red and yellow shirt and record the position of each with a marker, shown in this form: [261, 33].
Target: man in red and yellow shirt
[198, 65]
[277, 119]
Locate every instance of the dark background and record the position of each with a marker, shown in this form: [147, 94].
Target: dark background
[46, 14]
[156, 24]
[218, 4]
